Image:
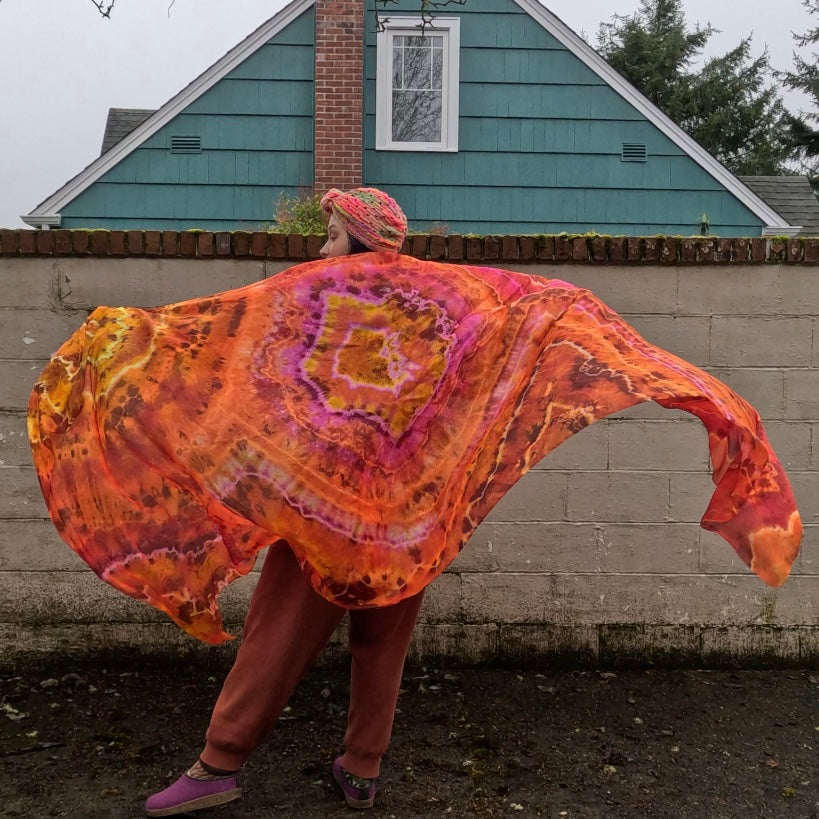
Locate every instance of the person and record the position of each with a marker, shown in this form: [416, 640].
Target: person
[288, 623]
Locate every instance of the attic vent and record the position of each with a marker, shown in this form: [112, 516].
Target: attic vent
[634, 152]
[186, 144]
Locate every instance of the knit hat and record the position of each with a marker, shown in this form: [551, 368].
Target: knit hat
[369, 215]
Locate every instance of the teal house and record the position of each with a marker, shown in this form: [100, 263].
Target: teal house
[493, 117]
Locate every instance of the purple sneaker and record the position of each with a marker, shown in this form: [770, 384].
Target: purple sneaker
[359, 792]
[187, 794]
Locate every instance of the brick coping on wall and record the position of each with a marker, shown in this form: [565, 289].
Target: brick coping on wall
[587, 248]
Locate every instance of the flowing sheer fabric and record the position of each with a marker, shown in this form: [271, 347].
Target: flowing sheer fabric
[370, 410]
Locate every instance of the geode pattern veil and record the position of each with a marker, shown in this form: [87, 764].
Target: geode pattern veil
[370, 410]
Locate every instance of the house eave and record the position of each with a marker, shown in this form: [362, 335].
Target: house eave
[781, 230]
[170, 109]
[586, 54]
[41, 221]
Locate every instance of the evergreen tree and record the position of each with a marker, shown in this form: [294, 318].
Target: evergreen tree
[725, 105]
[804, 129]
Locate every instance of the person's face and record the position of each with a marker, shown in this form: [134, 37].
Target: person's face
[338, 241]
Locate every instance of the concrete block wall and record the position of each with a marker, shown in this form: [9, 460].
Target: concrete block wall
[594, 558]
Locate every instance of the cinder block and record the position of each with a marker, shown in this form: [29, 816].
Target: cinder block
[630, 289]
[25, 645]
[16, 383]
[809, 647]
[505, 597]
[547, 644]
[591, 599]
[808, 560]
[14, 446]
[26, 282]
[649, 646]
[36, 334]
[88, 283]
[536, 496]
[658, 445]
[463, 645]
[49, 598]
[622, 497]
[763, 388]
[685, 336]
[760, 341]
[759, 647]
[791, 441]
[234, 600]
[689, 496]
[802, 394]
[794, 604]
[531, 547]
[20, 495]
[443, 600]
[666, 548]
[805, 487]
[586, 449]
[35, 546]
[717, 556]
[480, 554]
[273, 268]
[748, 290]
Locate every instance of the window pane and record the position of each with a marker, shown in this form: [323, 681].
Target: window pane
[437, 67]
[416, 116]
[398, 68]
[417, 68]
[416, 42]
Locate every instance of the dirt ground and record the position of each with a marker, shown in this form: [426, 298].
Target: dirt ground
[92, 743]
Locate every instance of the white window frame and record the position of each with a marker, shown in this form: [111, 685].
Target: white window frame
[450, 29]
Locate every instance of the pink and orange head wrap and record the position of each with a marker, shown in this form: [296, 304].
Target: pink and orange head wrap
[368, 214]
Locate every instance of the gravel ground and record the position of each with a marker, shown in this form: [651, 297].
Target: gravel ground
[92, 743]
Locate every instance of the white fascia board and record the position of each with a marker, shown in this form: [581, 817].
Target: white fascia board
[44, 220]
[586, 54]
[235, 57]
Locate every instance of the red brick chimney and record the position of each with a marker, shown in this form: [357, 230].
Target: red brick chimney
[339, 89]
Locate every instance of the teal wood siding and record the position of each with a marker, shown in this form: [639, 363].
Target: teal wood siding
[540, 144]
[256, 131]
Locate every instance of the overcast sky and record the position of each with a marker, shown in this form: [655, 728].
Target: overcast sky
[62, 66]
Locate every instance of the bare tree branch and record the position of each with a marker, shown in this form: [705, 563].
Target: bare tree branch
[103, 8]
[426, 7]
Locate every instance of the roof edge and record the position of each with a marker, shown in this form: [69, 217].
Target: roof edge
[584, 52]
[43, 220]
[75, 186]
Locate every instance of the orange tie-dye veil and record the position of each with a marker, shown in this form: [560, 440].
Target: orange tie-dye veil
[370, 410]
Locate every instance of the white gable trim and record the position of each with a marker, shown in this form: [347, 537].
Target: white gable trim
[51, 206]
[586, 54]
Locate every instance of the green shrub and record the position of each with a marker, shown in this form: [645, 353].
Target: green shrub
[299, 214]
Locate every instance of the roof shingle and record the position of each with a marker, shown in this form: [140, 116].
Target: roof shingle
[120, 123]
[791, 197]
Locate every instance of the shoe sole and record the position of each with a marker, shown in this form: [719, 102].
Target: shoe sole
[358, 804]
[212, 801]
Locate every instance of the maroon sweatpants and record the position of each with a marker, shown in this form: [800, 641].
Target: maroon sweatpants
[287, 626]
